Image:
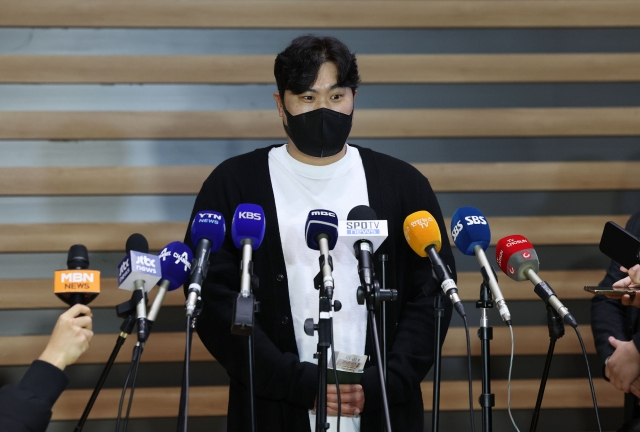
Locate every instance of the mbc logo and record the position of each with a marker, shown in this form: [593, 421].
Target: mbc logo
[323, 213]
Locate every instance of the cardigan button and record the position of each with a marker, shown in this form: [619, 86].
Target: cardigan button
[279, 277]
[285, 319]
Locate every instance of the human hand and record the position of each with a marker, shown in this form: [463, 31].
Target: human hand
[352, 399]
[70, 337]
[630, 282]
[623, 367]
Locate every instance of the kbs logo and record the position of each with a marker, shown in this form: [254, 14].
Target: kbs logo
[323, 213]
[145, 261]
[422, 222]
[475, 220]
[250, 215]
[457, 230]
[526, 255]
[512, 242]
[182, 259]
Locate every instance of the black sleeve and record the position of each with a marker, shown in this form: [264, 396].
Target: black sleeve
[279, 375]
[26, 407]
[412, 353]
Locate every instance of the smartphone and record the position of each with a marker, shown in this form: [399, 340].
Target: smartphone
[610, 291]
[620, 245]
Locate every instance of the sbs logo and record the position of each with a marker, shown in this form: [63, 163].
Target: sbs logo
[457, 230]
[475, 220]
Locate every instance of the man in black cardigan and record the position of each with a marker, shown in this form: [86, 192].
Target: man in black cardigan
[317, 82]
[616, 332]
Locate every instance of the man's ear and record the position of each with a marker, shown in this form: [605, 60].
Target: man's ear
[355, 93]
[279, 107]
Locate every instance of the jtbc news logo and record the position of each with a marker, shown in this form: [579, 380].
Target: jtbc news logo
[180, 258]
[363, 227]
[212, 218]
[145, 264]
[250, 216]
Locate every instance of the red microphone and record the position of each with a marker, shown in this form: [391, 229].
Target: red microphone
[517, 258]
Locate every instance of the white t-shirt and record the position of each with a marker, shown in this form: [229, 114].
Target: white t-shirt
[299, 188]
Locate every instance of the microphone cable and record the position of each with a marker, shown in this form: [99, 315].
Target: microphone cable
[593, 392]
[509, 380]
[185, 383]
[466, 329]
[335, 373]
[134, 361]
[133, 387]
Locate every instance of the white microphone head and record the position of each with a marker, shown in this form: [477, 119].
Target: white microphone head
[139, 266]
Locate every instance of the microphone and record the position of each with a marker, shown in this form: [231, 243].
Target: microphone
[207, 232]
[471, 234]
[175, 265]
[518, 259]
[423, 235]
[321, 233]
[139, 271]
[77, 284]
[247, 231]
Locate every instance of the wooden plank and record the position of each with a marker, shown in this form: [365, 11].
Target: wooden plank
[163, 402]
[228, 69]
[529, 340]
[320, 14]
[543, 230]
[95, 236]
[551, 230]
[444, 177]
[162, 347]
[169, 347]
[568, 284]
[38, 293]
[263, 124]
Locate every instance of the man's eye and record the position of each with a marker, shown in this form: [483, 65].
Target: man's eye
[307, 98]
[336, 97]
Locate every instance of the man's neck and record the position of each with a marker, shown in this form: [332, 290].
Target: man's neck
[316, 161]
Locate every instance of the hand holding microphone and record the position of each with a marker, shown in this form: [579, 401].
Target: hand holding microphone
[423, 235]
[471, 234]
[518, 259]
[70, 337]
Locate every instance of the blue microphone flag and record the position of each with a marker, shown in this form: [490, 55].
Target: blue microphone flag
[175, 262]
[321, 221]
[248, 223]
[469, 227]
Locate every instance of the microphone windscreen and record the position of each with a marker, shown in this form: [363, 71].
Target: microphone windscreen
[208, 224]
[78, 257]
[515, 255]
[321, 222]
[175, 263]
[248, 223]
[421, 230]
[362, 212]
[469, 228]
[137, 242]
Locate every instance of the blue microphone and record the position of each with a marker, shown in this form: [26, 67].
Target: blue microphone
[471, 234]
[247, 230]
[175, 263]
[321, 232]
[207, 233]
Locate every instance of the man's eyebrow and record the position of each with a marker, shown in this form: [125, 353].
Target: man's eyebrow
[333, 87]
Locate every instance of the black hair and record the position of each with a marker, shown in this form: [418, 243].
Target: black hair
[296, 68]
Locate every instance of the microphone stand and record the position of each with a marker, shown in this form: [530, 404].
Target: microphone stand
[556, 331]
[183, 414]
[374, 296]
[383, 259]
[485, 334]
[438, 306]
[323, 327]
[124, 310]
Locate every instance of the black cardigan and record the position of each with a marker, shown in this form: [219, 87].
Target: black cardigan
[286, 388]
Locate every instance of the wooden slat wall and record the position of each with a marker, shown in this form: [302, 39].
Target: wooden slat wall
[519, 175]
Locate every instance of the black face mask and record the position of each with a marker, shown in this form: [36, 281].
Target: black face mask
[319, 133]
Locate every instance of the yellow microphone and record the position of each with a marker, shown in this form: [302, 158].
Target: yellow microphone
[423, 235]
